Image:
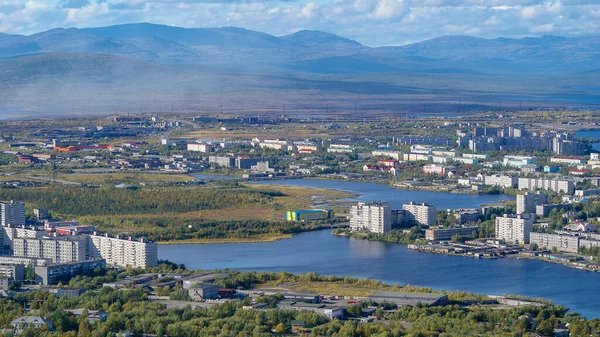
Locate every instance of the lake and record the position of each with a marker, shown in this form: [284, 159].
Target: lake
[326, 254]
[590, 134]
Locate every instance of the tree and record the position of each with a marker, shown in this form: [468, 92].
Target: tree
[534, 246]
[280, 328]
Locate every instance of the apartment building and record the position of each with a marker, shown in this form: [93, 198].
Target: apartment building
[58, 251]
[13, 271]
[562, 242]
[527, 203]
[123, 252]
[373, 217]
[448, 233]
[423, 214]
[514, 228]
[12, 213]
[8, 234]
[197, 147]
[503, 181]
[567, 160]
[547, 184]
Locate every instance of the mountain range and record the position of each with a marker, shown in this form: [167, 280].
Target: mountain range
[213, 61]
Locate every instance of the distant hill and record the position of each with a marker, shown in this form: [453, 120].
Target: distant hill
[312, 51]
[113, 67]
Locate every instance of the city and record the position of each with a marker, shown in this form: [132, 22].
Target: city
[322, 168]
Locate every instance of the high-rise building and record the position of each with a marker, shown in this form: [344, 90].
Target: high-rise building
[12, 213]
[526, 203]
[423, 214]
[514, 228]
[374, 217]
[123, 252]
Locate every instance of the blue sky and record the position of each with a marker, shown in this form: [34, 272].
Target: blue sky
[371, 22]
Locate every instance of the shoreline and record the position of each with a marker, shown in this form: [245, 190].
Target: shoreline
[572, 265]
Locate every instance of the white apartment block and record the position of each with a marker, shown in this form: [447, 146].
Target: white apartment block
[562, 242]
[12, 213]
[59, 251]
[555, 185]
[527, 203]
[123, 252]
[567, 160]
[10, 233]
[514, 228]
[387, 153]
[374, 217]
[196, 147]
[498, 180]
[422, 214]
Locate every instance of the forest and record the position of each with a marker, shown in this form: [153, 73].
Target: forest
[132, 310]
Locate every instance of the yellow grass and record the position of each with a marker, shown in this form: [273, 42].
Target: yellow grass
[332, 288]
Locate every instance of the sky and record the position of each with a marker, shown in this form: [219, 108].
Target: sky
[371, 22]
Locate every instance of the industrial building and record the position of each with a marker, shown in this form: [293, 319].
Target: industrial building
[203, 292]
[309, 215]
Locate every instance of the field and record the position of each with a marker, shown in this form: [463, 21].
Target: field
[130, 178]
[216, 212]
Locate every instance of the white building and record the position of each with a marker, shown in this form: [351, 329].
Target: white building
[555, 185]
[123, 252]
[498, 180]
[567, 160]
[527, 203]
[59, 251]
[514, 228]
[204, 148]
[562, 242]
[12, 213]
[422, 214]
[518, 161]
[374, 217]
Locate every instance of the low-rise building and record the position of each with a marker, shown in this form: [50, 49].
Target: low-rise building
[203, 292]
[35, 322]
[409, 299]
[567, 160]
[54, 273]
[448, 233]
